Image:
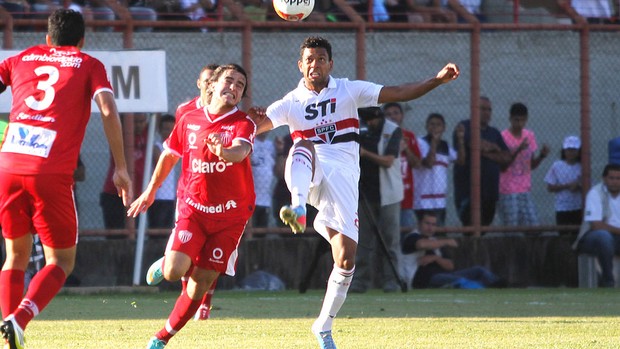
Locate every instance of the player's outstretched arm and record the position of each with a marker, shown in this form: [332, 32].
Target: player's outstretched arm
[114, 134]
[407, 92]
[238, 151]
[165, 163]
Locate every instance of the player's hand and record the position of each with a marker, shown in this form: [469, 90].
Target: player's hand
[141, 204]
[123, 185]
[257, 114]
[448, 73]
[215, 145]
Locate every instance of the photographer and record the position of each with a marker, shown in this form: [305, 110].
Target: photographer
[381, 191]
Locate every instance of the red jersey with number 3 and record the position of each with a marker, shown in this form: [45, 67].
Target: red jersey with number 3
[208, 185]
[52, 89]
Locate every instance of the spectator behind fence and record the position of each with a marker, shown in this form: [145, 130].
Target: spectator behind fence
[599, 234]
[431, 177]
[564, 179]
[595, 11]
[199, 10]
[381, 191]
[141, 10]
[494, 153]
[433, 270]
[111, 204]
[409, 158]
[161, 214]
[516, 206]
[263, 161]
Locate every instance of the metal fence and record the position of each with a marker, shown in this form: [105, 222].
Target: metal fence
[563, 73]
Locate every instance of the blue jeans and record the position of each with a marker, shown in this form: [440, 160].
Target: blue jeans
[479, 274]
[604, 245]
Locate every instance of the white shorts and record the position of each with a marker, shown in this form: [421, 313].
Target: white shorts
[334, 192]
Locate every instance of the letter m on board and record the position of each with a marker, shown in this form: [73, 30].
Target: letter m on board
[124, 85]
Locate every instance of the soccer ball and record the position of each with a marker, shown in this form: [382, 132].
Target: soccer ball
[293, 10]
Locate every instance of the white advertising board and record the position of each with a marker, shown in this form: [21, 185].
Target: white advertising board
[137, 77]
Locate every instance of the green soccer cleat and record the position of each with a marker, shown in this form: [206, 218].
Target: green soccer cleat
[12, 334]
[295, 217]
[155, 274]
[155, 343]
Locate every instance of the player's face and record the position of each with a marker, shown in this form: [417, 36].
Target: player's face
[229, 87]
[315, 66]
[203, 80]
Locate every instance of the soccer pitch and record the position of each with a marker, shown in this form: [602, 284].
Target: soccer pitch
[508, 318]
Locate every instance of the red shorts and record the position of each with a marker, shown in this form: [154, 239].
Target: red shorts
[212, 244]
[42, 204]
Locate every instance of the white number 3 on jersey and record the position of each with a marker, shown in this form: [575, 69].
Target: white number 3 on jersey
[46, 86]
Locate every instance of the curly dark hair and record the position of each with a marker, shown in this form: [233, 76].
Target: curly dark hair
[316, 42]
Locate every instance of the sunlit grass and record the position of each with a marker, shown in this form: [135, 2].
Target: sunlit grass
[541, 318]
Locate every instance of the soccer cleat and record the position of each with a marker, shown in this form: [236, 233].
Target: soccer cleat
[155, 274]
[325, 340]
[156, 343]
[12, 334]
[203, 313]
[295, 217]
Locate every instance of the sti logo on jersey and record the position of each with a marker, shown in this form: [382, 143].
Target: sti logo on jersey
[326, 132]
[321, 109]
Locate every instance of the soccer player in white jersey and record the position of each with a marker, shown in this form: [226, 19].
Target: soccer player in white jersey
[323, 165]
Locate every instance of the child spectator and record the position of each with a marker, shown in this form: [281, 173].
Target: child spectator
[564, 179]
[516, 206]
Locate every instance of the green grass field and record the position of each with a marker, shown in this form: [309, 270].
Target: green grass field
[510, 318]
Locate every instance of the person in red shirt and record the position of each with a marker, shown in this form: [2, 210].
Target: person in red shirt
[52, 87]
[215, 194]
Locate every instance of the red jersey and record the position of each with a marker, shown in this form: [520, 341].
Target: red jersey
[407, 172]
[209, 185]
[52, 89]
[188, 106]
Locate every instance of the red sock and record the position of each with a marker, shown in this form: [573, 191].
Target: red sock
[11, 290]
[206, 300]
[184, 309]
[185, 277]
[44, 286]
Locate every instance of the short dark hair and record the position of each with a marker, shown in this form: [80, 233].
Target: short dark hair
[610, 167]
[437, 116]
[518, 109]
[221, 69]
[316, 42]
[65, 27]
[209, 67]
[393, 105]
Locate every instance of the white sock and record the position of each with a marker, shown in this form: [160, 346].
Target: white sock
[300, 175]
[337, 287]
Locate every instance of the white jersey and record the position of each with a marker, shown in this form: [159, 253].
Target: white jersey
[329, 119]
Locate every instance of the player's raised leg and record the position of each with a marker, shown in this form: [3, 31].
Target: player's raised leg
[298, 174]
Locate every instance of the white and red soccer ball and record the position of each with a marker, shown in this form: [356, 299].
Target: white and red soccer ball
[293, 10]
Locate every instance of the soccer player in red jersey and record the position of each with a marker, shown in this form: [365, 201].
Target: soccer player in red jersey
[215, 196]
[52, 86]
[155, 275]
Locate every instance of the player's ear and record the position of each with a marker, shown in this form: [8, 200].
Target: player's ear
[48, 40]
[299, 66]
